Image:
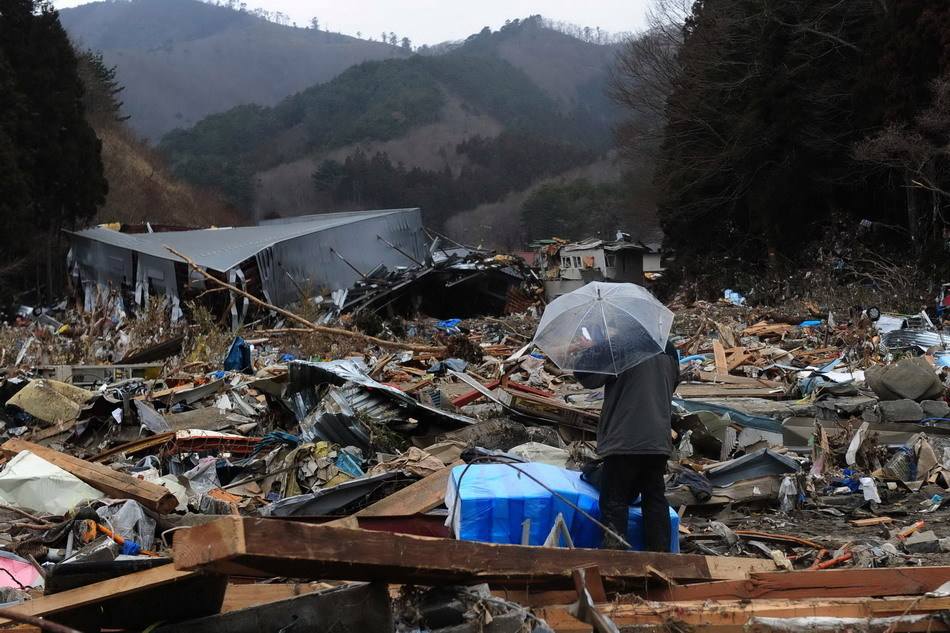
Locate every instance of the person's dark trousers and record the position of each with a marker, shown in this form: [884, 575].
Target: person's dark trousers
[625, 477]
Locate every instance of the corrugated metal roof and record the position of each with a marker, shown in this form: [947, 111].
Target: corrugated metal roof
[594, 243]
[224, 248]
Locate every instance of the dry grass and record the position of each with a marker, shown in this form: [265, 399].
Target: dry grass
[141, 188]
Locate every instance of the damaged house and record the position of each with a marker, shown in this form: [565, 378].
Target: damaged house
[280, 260]
[568, 266]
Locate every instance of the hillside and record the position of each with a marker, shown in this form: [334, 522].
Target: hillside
[181, 60]
[141, 186]
[444, 131]
[571, 71]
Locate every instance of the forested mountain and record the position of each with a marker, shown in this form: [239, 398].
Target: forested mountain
[446, 132]
[181, 60]
[795, 122]
[51, 174]
[141, 187]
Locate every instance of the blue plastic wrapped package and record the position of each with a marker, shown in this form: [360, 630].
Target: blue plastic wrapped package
[490, 502]
[239, 356]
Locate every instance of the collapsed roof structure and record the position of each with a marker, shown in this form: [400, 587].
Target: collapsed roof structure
[280, 259]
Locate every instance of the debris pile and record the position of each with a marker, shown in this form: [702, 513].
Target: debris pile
[248, 481]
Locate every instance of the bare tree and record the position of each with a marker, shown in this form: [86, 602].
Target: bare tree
[919, 153]
[645, 71]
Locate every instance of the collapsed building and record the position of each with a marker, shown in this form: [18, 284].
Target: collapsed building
[569, 265]
[380, 261]
[279, 259]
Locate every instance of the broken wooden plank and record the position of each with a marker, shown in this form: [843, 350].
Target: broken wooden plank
[546, 408]
[742, 381]
[732, 616]
[471, 396]
[149, 592]
[737, 358]
[719, 353]
[832, 583]
[136, 446]
[52, 431]
[693, 390]
[872, 521]
[269, 547]
[244, 596]
[416, 498]
[113, 483]
[768, 329]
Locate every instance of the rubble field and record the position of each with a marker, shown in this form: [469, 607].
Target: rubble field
[435, 474]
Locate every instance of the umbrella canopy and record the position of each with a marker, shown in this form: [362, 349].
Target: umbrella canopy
[603, 328]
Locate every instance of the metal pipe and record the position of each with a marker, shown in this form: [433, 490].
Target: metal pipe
[394, 247]
[343, 259]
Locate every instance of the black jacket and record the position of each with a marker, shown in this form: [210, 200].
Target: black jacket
[635, 418]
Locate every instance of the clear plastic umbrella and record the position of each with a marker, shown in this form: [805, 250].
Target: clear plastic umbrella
[603, 328]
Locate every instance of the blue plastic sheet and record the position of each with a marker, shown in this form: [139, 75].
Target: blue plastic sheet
[489, 503]
[449, 325]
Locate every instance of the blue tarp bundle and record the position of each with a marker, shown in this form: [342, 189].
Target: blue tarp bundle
[489, 503]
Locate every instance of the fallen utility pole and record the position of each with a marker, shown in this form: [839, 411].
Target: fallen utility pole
[270, 547]
[313, 327]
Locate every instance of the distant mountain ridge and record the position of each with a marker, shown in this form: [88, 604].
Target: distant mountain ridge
[450, 128]
[181, 60]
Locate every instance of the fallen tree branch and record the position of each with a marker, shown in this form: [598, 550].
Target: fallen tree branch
[308, 326]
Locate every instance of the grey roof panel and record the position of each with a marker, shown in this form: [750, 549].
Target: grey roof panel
[224, 248]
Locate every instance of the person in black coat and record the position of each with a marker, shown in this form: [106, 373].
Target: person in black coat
[634, 437]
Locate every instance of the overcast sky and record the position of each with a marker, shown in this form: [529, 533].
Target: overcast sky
[434, 21]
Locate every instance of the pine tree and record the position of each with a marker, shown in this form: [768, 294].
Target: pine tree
[54, 145]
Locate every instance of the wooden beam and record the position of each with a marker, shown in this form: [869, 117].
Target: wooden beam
[269, 547]
[719, 352]
[732, 616]
[244, 596]
[871, 521]
[128, 589]
[832, 583]
[471, 396]
[113, 483]
[737, 358]
[416, 498]
[694, 390]
[738, 381]
[135, 446]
